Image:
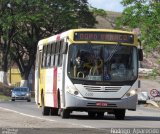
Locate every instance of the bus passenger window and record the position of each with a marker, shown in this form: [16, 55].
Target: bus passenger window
[53, 54]
[44, 57]
[60, 54]
[56, 53]
[48, 55]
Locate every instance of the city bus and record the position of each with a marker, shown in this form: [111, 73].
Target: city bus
[90, 70]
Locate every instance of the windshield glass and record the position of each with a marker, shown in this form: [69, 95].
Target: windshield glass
[21, 89]
[24, 89]
[17, 89]
[96, 62]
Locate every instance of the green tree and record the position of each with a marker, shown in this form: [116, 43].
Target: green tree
[37, 19]
[7, 32]
[99, 12]
[143, 14]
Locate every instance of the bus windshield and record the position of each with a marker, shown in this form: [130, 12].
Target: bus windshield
[97, 62]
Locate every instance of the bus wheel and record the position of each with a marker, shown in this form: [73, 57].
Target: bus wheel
[100, 114]
[120, 114]
[45, 110]
[65, 113]
[91, 114]
[54, 111]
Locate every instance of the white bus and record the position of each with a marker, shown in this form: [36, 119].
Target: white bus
[92, 70]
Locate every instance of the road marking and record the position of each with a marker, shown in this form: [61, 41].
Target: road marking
[85, 126]
[26, 114]
[124, 123]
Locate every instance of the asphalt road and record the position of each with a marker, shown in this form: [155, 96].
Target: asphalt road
[141, 118]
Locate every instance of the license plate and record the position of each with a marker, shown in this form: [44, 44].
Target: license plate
[101, 104]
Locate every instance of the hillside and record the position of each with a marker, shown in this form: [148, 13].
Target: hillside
[107, 22]
[151, 60]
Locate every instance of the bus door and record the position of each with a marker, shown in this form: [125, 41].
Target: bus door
[37, 76]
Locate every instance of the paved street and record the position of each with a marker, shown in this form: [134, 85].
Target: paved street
[27, 115]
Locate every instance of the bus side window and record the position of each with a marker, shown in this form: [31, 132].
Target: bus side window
[61, 53]
[48, 55]
[53, 54]
[57, 53]
[44, 57]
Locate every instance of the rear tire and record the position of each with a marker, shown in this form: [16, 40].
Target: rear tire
[120, 114]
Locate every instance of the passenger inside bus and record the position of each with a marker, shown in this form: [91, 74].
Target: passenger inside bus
[118, 68]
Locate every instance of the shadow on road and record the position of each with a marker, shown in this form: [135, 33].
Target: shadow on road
[142, 118]
[111, 117]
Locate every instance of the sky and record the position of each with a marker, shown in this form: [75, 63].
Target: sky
[109, 5]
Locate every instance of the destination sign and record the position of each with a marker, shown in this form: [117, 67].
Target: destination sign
[104, 37]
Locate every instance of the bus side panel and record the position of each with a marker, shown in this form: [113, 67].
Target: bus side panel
[59, 82]
[49, 97]
[55, 96]
[42, 85]
[36, 82]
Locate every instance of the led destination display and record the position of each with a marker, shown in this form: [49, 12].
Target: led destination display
[104, 37]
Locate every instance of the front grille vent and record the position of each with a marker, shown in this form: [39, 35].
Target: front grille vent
[91, 88]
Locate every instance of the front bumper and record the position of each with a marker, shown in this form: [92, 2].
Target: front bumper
[21, 98]
[84, 104]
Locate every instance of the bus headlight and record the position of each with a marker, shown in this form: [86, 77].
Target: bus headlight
[72, 90]
[130, 93]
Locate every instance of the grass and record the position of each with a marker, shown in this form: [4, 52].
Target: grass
[4, 98]
[5, 92]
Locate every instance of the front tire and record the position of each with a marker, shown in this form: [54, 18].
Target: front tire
[13, 99]
[54, 111]
[120, 114]
[65, 113]
[29, 100]
[91, 114]
[45, 110]
[100, 115]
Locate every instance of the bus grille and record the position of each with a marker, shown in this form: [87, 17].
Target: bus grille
[91, 88]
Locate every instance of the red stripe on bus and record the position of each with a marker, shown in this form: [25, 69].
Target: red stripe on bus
[55, 98]
[58, 37]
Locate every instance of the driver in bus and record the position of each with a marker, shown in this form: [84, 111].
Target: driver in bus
[78, 67]
[96, 69]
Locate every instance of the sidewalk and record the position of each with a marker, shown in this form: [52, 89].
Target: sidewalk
[148, 84]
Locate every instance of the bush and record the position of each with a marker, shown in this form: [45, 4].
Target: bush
[5, 89]
[154, 73]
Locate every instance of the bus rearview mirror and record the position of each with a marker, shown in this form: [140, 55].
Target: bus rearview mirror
[65, 48]
[140, 54]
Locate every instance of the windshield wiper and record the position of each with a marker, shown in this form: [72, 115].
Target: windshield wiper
[113, 52]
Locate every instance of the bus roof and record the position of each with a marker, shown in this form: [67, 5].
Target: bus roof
[70, 33]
